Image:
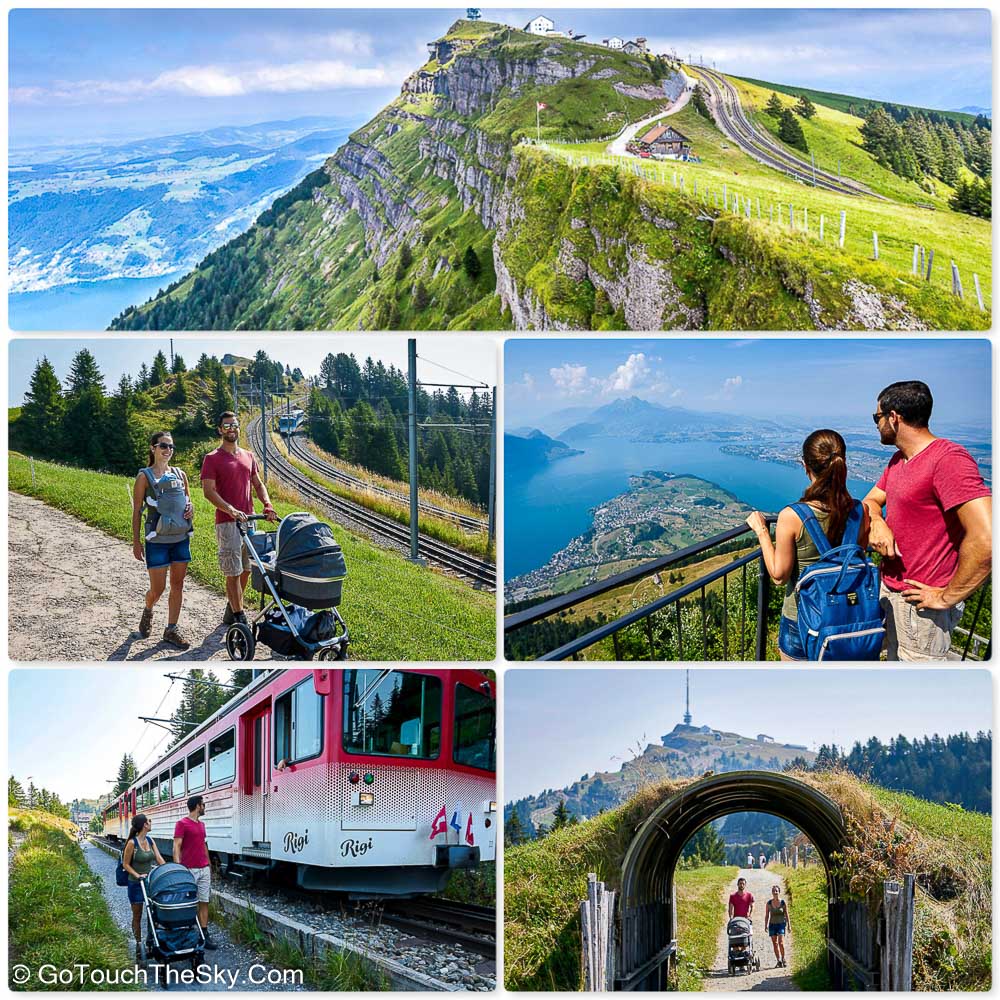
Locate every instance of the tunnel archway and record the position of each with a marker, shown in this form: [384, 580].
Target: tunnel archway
[646, 926]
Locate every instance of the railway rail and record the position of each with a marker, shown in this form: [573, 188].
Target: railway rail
[733, 121]
[479, 571]
[302, 452]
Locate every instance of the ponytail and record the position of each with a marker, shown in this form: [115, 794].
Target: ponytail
[138, 822]
[825, 456]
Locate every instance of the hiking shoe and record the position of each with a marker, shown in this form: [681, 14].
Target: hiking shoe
[227, 618]
[146, 623]
[210, 945]
[240, 616]
[172, 635]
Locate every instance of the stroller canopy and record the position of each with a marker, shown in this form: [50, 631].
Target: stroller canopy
[307, 548]
[173, 893]
[739, 926]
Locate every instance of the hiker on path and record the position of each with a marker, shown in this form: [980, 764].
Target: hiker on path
[763, 860]
[227, 475]
[936, 537]
[163, 552]
[824, 458]
[741, 901]
[749, 859]
[191, 851]
[778, 924]
[138, 859]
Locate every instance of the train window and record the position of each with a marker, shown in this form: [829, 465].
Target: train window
[196, 770]
[222, 758]
[298, 723]
[475, 729]
[165, 786]
[392, 712]
[144, 798]
[177, 780]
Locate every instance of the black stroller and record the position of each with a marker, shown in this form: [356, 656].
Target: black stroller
[739, 930]
[299, 570]
[174, 934]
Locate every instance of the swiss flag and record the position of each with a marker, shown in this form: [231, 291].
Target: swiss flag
[440, 824]
[470, 838]
[540, 107]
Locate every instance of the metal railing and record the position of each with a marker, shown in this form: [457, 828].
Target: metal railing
[695, 613]
[670, 603]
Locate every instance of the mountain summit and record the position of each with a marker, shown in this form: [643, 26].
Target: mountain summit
[442, 213]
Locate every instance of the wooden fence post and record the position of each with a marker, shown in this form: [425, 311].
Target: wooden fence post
[930, 265]
[979, 293]
[597, 930]
[916, 256]
[843, 228]
[875, 244]
[795, 857]
[956, 281]
[897, 948]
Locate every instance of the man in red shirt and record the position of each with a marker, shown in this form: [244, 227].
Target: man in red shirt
[741, 901]
[936, 538]
[227, 475]
[191, 851]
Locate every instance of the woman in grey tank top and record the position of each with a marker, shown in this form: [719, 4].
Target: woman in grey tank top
[139, 857]
[824, 458]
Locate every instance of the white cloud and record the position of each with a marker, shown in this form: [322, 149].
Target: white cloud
[572, 380]
[219, 81]
[527, 381]
[733, 383]
[632, 375]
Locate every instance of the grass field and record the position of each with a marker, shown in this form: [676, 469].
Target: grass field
[807, 906]
[699, 911]
[57, 913]
[394, 609]
[899, 222]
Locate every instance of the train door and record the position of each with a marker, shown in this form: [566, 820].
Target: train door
[257, 772]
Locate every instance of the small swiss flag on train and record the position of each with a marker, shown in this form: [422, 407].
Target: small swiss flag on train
[539, 106]
[470, 837]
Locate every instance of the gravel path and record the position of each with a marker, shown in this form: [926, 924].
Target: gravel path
[617, 146]
[718, 979]
[77, 593]
[229, 961]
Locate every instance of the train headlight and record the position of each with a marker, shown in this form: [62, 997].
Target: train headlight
[354, 777]
[490, 806]
[360, 798]
[369, 779]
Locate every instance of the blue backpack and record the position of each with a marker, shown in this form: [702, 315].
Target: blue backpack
[121, 876]
[840, 617]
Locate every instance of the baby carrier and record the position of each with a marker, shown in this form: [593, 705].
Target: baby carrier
[166, 501]
[739, 932]
[840, 617]
[174, 934]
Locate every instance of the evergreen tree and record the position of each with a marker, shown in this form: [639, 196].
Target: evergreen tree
[178, 367]
[84, 374]
[420, 297]
[405, 260]
[561, 817]
[773, 106]
[790, 131]
[222, 398]
[83, 430]
[16, 797]
[805, 108]
[127, 773]
[700, 102]
[178, 394]
[40, 424]
[973, 197]
[142, 382]
[513, 831]
[706, 847]
[125, 443]
[159, 373]
[471, 264]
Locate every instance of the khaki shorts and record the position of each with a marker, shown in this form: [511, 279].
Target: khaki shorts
[233, 556]
[203, 879]
[916, 635]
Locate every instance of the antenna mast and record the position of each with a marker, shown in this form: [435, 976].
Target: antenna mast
[687, 697]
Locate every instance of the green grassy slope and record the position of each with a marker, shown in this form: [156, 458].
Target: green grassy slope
[844, 102]
[806, 897]
[54, 919]
[394, 609]
[699, 903]
[888, 835]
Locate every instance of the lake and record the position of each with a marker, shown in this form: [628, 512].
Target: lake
[86, 305]
[545, 509]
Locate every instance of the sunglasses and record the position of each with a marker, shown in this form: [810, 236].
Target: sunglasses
[230, 427]
[878, 417]
[165, 447]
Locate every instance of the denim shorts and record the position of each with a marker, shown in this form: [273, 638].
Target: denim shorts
[159, 555]
[135, 892]
[776, 930]
[788, 639]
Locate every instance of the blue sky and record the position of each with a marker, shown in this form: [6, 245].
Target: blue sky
[91, 719]
[94, 74]
[809, 379]
[562, 723]
[475, 358]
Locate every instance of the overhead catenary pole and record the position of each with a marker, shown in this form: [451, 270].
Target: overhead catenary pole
[411, 352]
[492, 516]
[263, 429]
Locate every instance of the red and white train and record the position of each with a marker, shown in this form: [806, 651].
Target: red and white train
[373, 782]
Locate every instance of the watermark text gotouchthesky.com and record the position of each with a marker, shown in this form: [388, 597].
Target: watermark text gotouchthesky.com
[82, 976]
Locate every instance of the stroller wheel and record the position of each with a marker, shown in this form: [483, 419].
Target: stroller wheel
[333, 653]
[240, 643]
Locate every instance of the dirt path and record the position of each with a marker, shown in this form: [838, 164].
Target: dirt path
[617, 146]
[77, 593]
[718, 979]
